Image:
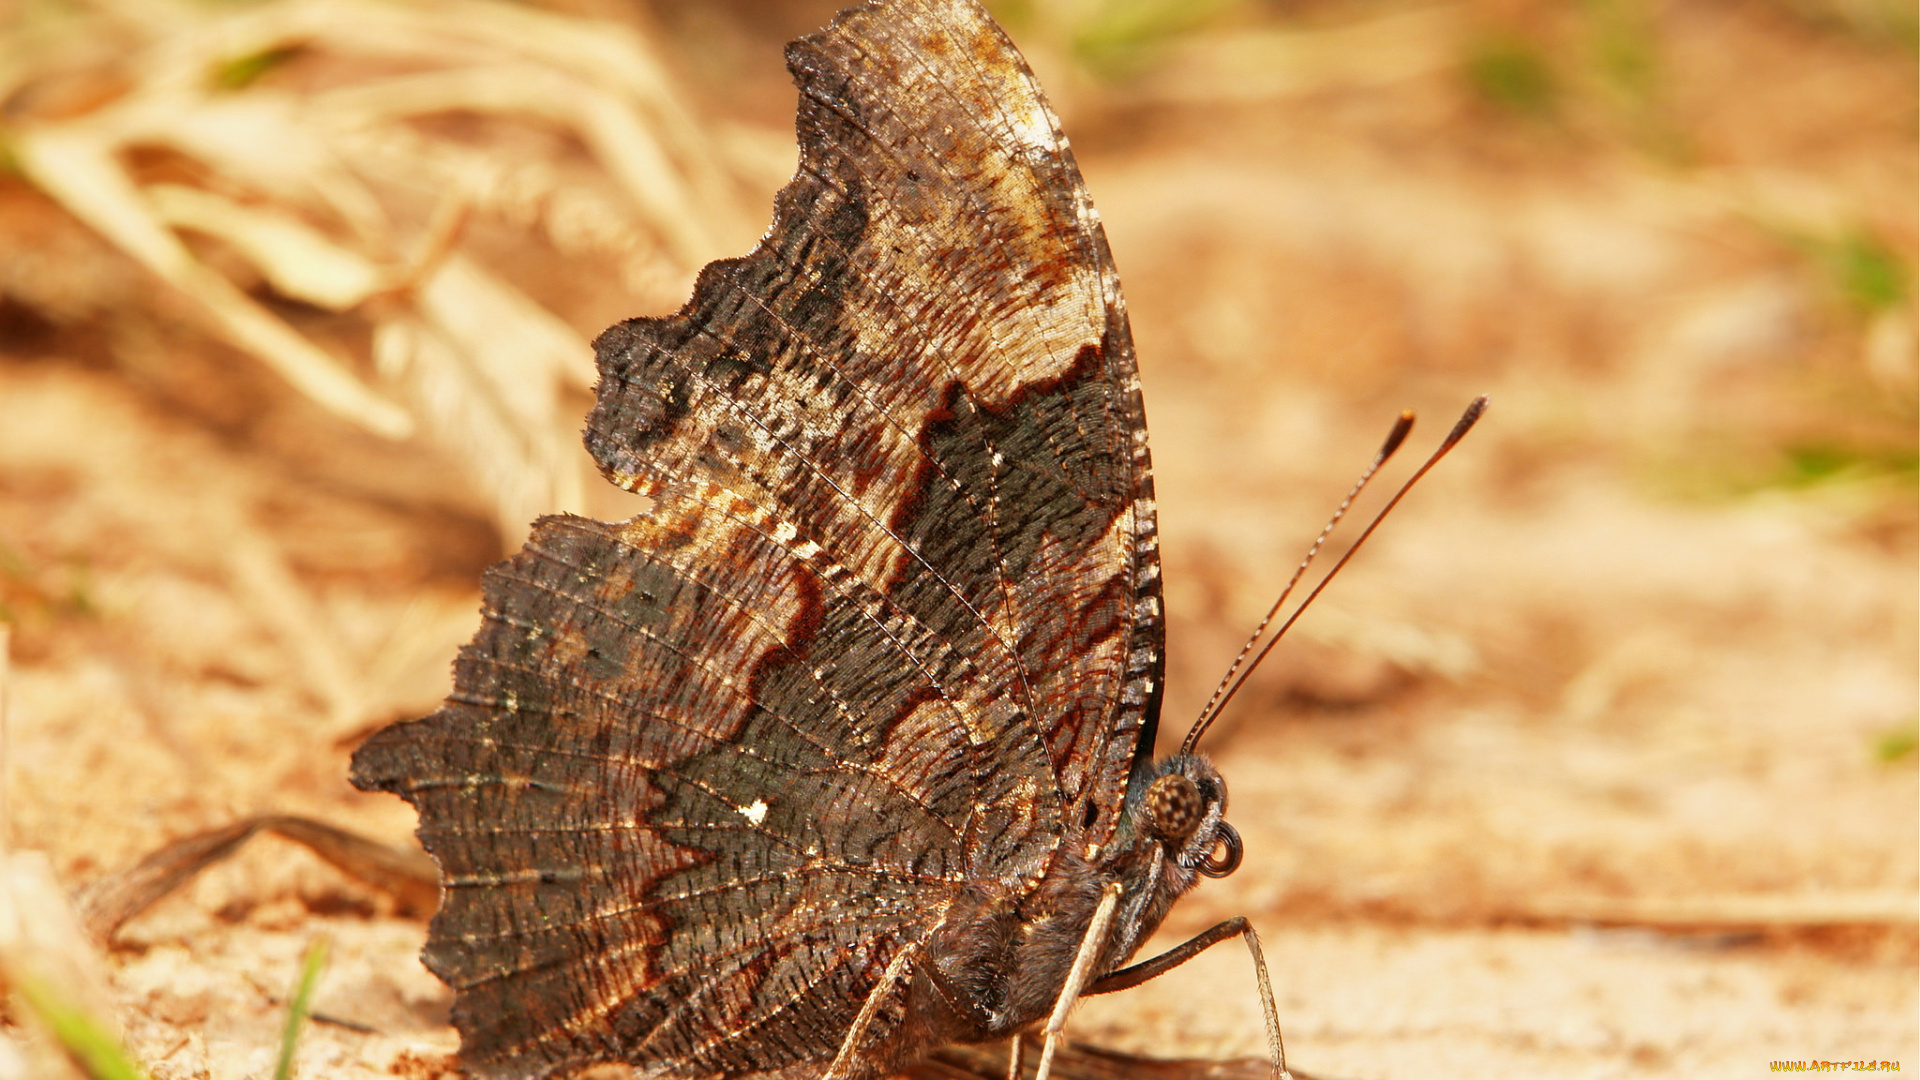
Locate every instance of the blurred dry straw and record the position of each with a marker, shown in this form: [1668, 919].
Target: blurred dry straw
[338, 154]
[49, 969]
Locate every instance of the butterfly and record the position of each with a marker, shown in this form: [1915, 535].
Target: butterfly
[843, 749]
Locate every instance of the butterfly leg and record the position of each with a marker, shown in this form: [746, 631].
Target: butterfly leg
[1013, 1057]
[1091, 943]
[857, 1034]
[1238, 926]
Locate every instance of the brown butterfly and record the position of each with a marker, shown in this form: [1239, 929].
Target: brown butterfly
[843, 750]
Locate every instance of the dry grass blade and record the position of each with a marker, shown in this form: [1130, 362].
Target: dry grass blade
[464, 346]
[81, 172]
[622, 141]
[297, 260]
[408, 875]
[338, 191]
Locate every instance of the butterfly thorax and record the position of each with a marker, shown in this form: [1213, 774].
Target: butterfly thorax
[1001, 958]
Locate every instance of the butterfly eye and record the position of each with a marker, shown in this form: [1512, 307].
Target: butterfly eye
[1174, 808]
[1224, 859]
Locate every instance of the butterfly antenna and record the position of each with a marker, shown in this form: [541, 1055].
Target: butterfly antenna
[1238, 673]
[1401, 428]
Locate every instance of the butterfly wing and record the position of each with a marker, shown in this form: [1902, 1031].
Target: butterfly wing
[890, 629]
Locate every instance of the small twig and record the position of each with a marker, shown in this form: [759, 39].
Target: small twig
[408, 875]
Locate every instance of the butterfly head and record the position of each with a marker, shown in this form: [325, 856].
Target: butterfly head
[1183, 810]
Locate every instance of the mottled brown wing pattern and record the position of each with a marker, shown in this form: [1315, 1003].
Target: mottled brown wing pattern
[650, 835]
[891, 626]
[926, 367]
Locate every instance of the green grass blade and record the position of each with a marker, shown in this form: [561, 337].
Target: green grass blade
[302, 1005]
[85, 1039]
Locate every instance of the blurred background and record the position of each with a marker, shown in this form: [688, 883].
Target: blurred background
[1599, 762]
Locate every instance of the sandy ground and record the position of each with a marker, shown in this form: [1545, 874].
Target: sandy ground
[1597, 763]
